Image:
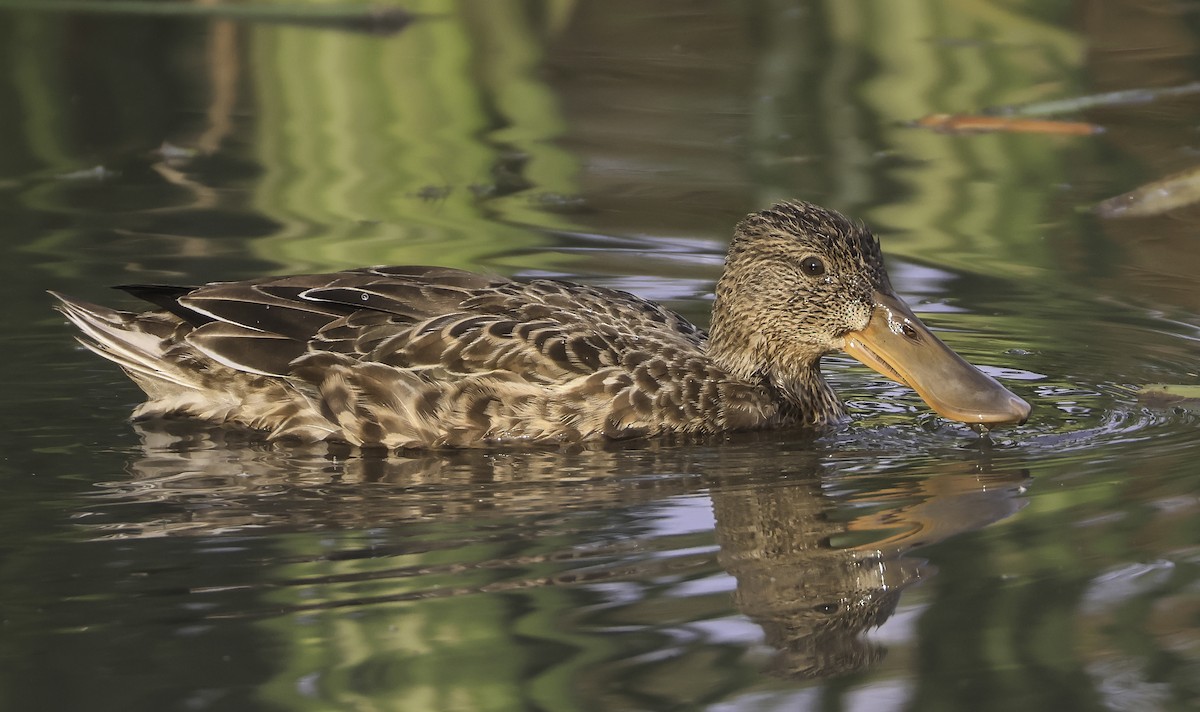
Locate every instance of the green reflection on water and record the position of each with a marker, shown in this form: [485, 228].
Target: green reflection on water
[394, 150]
[930, 57]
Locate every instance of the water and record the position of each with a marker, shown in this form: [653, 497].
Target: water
[901, 563]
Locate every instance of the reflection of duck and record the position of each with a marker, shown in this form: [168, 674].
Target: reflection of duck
[429, 357]
[815, 582]
[814, 566]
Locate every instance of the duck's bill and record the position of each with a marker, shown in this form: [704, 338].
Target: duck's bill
[896, 344]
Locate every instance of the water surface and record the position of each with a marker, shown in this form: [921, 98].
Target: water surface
[900, 563]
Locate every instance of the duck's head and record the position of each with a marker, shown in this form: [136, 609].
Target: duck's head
[801, 281]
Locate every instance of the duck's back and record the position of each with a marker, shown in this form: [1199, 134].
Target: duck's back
[421, 357]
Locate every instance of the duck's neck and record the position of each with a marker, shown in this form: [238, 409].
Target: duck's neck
[808, 397]
[794, 379]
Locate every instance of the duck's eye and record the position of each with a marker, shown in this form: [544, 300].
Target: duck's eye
[812, 266]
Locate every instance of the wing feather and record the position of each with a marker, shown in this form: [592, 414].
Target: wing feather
[246, 349]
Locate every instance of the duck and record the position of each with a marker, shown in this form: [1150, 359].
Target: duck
[425, 357]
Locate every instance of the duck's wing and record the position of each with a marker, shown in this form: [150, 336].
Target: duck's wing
[442, 323]
[261, 326]
[547, 331]
[519, 360]
[427, 357]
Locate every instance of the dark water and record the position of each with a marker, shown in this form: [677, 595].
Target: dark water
[902, 563]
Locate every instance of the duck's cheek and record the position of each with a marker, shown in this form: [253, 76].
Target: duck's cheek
[850, 318]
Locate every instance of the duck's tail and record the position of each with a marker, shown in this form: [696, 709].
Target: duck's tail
[138, 343]
[152, 347]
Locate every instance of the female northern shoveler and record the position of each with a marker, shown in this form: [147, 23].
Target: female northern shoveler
[434, 357]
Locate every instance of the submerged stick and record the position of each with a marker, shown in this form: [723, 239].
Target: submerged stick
[1125, 97]
[373, 20]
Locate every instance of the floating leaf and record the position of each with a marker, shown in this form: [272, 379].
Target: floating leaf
[969, 123]
[1163, 395]
[1154, 198]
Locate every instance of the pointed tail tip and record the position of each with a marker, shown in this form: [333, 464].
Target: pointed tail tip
[81, 313]
[60, 297]
[65, 301]
[67, 305]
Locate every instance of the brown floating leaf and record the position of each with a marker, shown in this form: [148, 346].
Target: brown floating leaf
[970, 123]
[1155, 198]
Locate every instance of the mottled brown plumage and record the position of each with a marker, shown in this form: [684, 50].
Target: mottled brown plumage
[434, 357]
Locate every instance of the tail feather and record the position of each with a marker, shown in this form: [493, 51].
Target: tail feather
[124, 339]
[179, 378]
